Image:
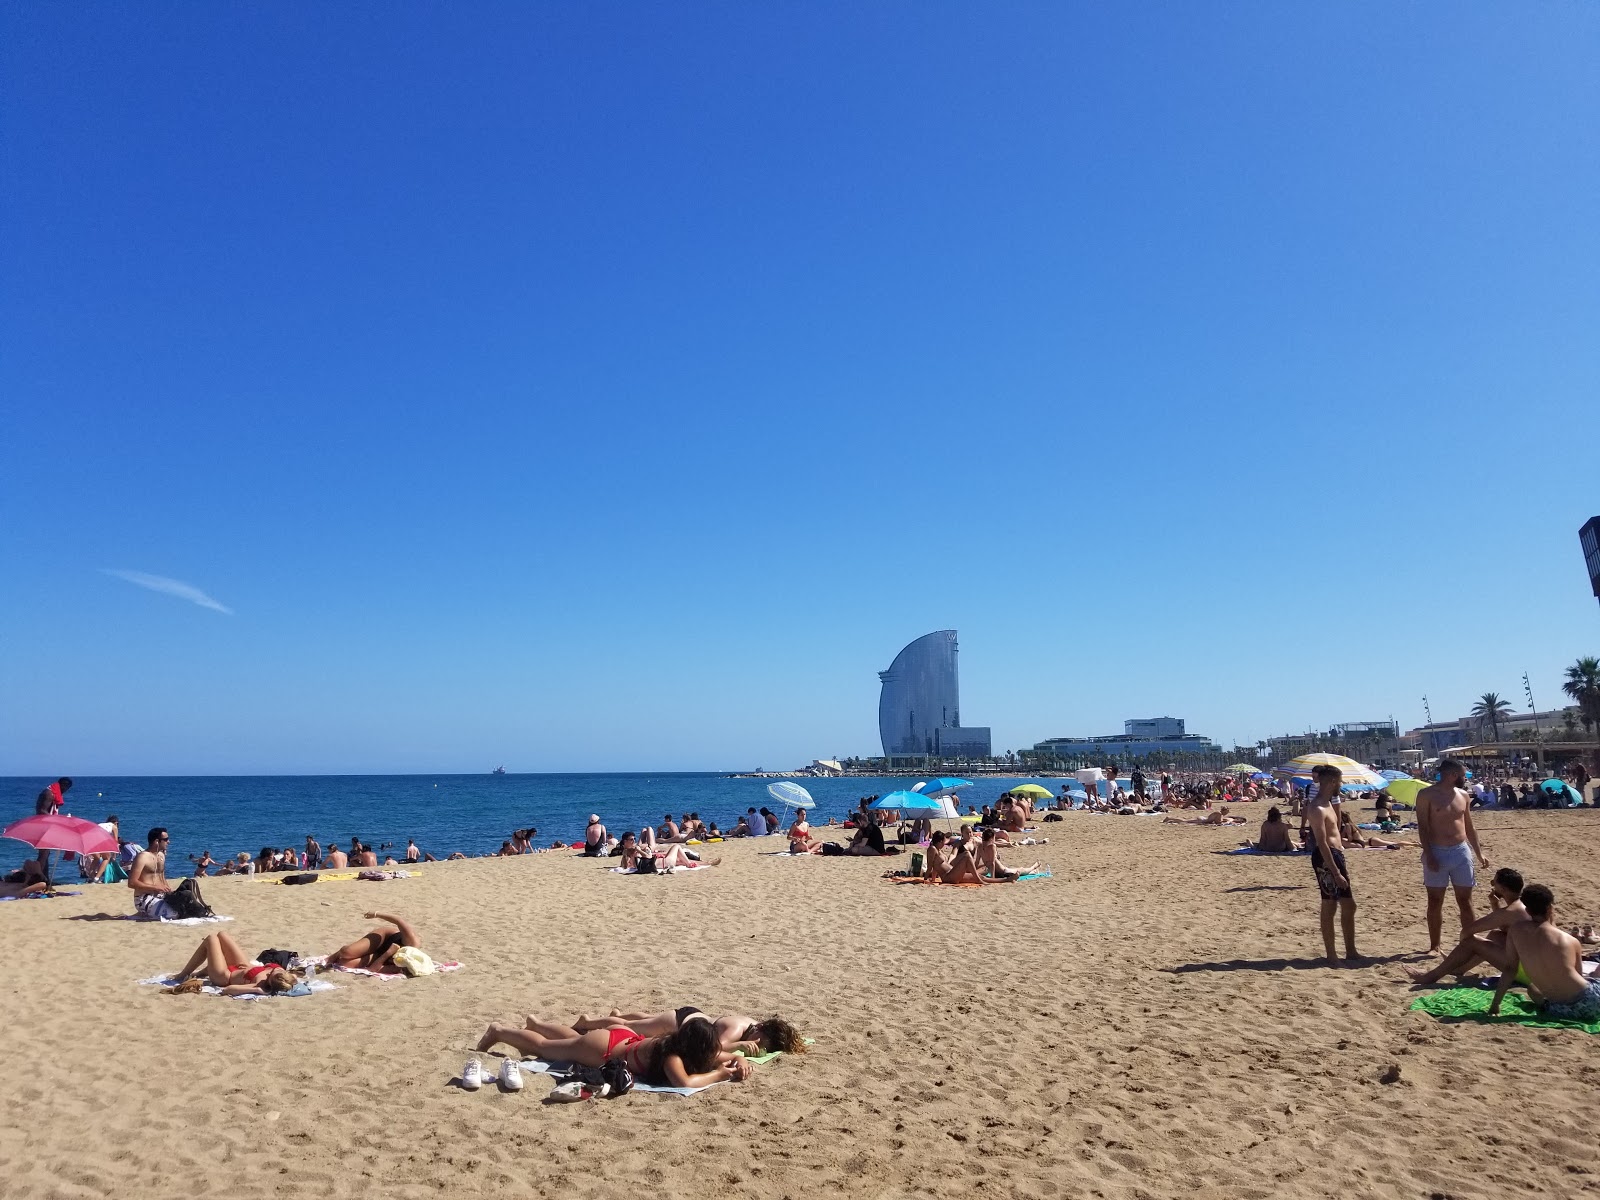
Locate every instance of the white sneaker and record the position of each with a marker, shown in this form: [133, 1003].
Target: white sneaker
[510, 1076]
[472, 1075]
[567, 1093]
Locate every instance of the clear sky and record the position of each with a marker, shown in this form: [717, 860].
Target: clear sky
[611, 386]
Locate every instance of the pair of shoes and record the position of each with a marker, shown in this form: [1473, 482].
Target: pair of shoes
[510, 1076]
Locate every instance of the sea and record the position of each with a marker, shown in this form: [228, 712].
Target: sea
[442, 813]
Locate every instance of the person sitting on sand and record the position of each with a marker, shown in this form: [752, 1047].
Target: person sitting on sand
[456, 854]
[1550, 961]
[735, 1033]
[690, 1057]
[337, 860]
[668, 830]
[235, 972]
[29, 881]
[1485, 939]
[1275, 836]
[374, 951]
[990, 866]
[867, 842]
[594, 837]
[367, 857]
[963, 867]
[800, 839]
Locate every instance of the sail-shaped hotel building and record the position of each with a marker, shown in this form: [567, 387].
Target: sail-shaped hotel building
[919, 709]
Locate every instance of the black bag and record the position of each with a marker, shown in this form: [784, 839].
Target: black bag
[307, 877]
[617, 1077]
[830, 849]
[647, 865]
[277, 958]
[185, 901]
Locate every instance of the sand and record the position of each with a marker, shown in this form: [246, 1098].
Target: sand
[1152, 1022]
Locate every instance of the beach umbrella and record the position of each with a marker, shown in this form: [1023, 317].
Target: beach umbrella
[1261, 777]
[1404, 790]
[942, 786]
[1033, 791]
[1563, 790]
[791, 795]
[62, 833]
[1243, 769]
[1394, 775]
[909, 802]
[1356, 777]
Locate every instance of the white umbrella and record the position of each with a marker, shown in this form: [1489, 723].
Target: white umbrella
[791, 794]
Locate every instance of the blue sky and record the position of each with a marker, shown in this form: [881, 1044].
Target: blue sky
[620, 386]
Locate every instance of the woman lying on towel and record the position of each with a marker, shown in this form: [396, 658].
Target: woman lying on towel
[745, 1035]
[229, 968]
[690, 1057]
[666, 857]
[375, 951]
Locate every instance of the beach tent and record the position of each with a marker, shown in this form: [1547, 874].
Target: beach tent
[1562, 791]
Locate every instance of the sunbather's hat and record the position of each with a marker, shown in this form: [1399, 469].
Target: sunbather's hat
[594, 818]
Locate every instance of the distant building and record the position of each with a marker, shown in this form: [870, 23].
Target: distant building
[1443, 736]
[1148, 737]
[1589, 536]
[919, 708]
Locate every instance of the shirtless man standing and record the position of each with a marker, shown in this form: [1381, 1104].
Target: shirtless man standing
[1327, 862]
[1551, 963]
[1486, 938]
[1449, 844]
[148, 878]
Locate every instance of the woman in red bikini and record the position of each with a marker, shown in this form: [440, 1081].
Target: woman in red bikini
[691, 1057]
[227, 967]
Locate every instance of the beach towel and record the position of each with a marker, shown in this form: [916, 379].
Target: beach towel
[321, 964]
[758, 1059]
[44, 896]
[299, 989]
[672, 871]
[1266, 853]
[1028, 878]
[175, 921]
[1472, 1004]
[539, 1067]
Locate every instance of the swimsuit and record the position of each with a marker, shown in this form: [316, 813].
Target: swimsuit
[1584, 1007]
[1455, 867]
[154, 907]
[689, 1013]
[625, 1043]
[1325, 883]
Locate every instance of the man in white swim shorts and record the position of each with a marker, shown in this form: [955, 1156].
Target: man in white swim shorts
[1449, 847]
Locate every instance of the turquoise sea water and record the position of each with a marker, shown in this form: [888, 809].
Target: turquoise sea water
[471, 813]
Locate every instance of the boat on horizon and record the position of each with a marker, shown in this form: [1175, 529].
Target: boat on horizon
[500, 770]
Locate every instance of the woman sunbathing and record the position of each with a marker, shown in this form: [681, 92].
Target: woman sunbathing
[689, 1057]
[235, 972]
[1352, 836]
[735, 1033]
[374, 951]
[1220, 817]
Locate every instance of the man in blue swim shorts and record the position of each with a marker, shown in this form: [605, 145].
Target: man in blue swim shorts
[1550, 961]
[1449, 847]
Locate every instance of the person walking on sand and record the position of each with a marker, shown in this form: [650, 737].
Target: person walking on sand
[1449, 845]
[1327, 862]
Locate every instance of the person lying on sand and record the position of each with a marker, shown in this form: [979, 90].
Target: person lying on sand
[666, 858]
[1551, 963]
[735, 1032]
[989, 864]
[373, 951]
[1485, 939]
[689, 1057]
[230, 968]
[1354, 837]
[33, 887]
[1220, 817]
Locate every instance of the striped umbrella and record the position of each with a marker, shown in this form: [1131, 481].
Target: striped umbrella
[1355, 775]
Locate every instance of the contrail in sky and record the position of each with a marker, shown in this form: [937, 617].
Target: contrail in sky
[170, 587]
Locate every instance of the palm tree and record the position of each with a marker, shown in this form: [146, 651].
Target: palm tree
[1491, 708]
[1583, 685]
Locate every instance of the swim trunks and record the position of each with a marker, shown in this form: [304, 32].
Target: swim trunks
[1455, 867]
[1325, 878]
[152, 907]
[1584, 1007]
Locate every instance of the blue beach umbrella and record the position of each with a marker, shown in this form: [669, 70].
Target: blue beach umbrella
[1394, 775]
[942, 786]
[909, 802]
[1261, 777]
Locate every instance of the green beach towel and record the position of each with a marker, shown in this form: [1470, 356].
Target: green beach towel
[1472, 1004]
[758, 1059]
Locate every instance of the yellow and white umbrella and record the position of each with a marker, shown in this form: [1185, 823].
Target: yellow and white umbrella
[1355, 775]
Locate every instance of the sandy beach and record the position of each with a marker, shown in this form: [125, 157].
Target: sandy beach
[1153, 1021]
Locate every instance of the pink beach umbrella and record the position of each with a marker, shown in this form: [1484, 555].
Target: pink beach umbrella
[61, 833]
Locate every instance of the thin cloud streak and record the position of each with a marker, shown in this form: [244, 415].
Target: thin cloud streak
[169, 587]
